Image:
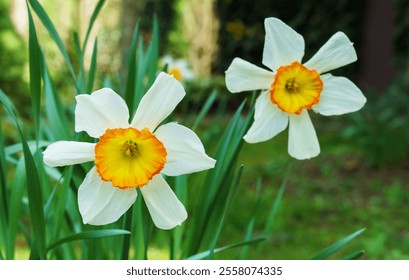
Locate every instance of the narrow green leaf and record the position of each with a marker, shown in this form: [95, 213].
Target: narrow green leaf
[4, 200]
[94, 16]
[80, 56]
[337, 245]
[102, 233]
[177, 233]
[214, 183]
[57, 119]
[228, 204]
[140, 246]
[33, 189]
[354, 256]
[131, 71]
[140, 75]
[16, 192]
[250, 227]
[39, 10]
[92, 68]
[205, 109]
[152, 62]
[126, 241]
[35, 73]
[205, 254]
[277, 201]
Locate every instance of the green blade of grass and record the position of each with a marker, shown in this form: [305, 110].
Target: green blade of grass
[337, 245]
[139, 244]
[227, 207]
[92, 68]
[203, 210]
[4, 201]
[126, 241]
[131, 71]
[205, 109]
[33, 189]
[54, 108]
[16, 192]
[39, 10]
[102, 233]
[354, 256]
[141, 64]
[205, 254]
[250, 227]
[80, 56]
[177, 232]
[35, 73]
[276, 204]
[152, 62]
[94, 16]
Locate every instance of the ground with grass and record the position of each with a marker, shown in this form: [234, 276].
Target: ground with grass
[326, 198]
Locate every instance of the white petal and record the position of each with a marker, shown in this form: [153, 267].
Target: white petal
[282, 45]
[302, 139]
[159, 102]
[165, 208]
[269, 120]
[339, 96]
[101, 110]
[242, 76]
[64, 153]
[185, 151]
[336, 52]
[100, 203]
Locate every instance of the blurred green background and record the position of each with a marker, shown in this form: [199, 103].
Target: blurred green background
[360, 179]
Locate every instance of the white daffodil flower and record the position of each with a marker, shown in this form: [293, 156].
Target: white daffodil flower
[292, 88]
[129, 156]
[178, 68]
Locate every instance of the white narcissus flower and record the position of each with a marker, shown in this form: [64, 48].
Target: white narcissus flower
[178, 68]
[293, 88]
[129, 156]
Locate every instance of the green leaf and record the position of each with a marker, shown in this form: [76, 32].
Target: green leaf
[152, 62]
[250, 227]
[126, 241]
[54, 108]
[35, 72]
[214, 189]
[277, 201]
[16, 192]
[38, 9]
[92, 68]
[205, 254]
[205, 109]
[33, 189]
[337, 245]
[177, 234]
[94, 16]
[354, 256]
[4, 201]
[102, 233]
[227, 207]
[131, 70]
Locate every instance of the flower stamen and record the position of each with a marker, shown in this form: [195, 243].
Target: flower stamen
[295, 87]
[129, 157]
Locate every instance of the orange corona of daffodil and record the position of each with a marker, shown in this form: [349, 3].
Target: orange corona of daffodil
[131, 155]
[293, 88]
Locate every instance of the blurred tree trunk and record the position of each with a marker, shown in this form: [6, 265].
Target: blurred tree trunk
[200, 26]
[130, 13]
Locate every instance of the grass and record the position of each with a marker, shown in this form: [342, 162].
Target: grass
[326, 198]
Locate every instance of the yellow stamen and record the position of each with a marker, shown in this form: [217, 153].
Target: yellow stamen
[128, 157]
[176, 73]
[295, 87]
